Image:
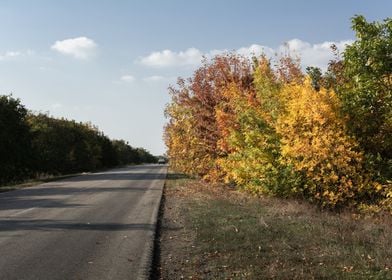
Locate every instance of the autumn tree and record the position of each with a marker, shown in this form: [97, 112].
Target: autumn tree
[273, 129]
[315, 142]
[192, 133]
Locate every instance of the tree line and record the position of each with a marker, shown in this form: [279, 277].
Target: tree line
[275, 129]
[35, 145]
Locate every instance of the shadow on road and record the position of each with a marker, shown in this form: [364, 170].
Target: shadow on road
[53, 225]
[55, 194]
[25, 203]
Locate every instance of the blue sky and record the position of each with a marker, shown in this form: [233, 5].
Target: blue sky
[110, 62]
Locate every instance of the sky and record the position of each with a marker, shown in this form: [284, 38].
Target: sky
[110, 62]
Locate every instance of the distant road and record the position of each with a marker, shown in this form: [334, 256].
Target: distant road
[96, 226]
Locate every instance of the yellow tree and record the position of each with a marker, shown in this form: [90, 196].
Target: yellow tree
[315, 143]
[251, 140]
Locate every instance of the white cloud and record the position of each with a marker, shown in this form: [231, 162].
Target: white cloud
[12, 54]
[155, 78]
[167, 58]
[311, 54]
[56, 106]
[9, 54]
[15, 54]
[80, 47]
[255, 50]
[127, 78]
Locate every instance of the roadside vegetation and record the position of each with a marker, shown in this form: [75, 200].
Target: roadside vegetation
[266, 127]
[216, 232]
[39, 146]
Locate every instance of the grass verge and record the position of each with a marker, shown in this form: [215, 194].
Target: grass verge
[214, 232]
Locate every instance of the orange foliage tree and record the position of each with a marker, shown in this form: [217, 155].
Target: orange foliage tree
[192, 134]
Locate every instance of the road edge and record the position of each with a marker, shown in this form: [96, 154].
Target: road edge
[145, 269]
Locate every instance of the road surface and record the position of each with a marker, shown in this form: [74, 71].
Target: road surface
[95, 226]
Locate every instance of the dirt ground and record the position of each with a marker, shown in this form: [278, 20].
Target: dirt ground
[176, 240]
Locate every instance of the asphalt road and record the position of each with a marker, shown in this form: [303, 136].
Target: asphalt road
[95, 226]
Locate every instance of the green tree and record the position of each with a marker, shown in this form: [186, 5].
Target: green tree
[125, 153]
[367, 96]
[145, 156]
[15, 140]
[64, 146]
[315, 75]
[109, 157]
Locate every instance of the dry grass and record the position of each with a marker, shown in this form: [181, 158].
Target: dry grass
[214, 232]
